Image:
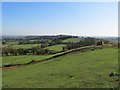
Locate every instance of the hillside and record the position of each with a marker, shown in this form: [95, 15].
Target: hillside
[77, 69]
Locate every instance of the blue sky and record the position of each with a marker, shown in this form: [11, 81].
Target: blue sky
[50, 18]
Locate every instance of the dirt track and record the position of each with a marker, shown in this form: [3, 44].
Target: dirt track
[12, 67]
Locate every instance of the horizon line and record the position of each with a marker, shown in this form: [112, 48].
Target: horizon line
[59, 34]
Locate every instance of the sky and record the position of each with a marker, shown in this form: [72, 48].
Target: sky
[53, 18]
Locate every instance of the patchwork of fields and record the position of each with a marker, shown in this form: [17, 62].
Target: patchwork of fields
[59, 45]
[76, 70]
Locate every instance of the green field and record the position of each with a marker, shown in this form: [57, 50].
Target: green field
[56, 47]
[25, 46]
[12, 43]
[72, 40]
[22, 59]
[114, 41]
[74, 70]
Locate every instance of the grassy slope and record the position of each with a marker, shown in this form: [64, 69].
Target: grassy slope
[25, 46]
[21, 59]
[89, 69]
[72, 40]
[56, 47]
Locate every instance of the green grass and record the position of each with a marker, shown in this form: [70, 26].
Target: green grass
[25, 46]
[21, 59]
[78, 69]
[72, 40]
[56, 47]
[12, 43]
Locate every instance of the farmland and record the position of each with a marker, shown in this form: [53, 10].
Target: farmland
[56, 47]
[72, 40]
[59, 45]
[25, 46]
[21, 59]
[86, 69]
[59, 62]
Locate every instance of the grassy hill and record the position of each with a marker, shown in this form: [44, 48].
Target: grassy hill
[77, 69]
[72, 40]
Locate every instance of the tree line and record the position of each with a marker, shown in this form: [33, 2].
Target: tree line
[23, 51]
[86, 42]
[42, 50]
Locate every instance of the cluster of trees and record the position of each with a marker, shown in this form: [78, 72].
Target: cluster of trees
[29, 42]
[9, 51]
[37, 51]
[71, 46]
[44, 42]
[3, 42]
[88, 41]
[49, 40]
[21, 51]
[106, 41]
[85, 42]
[55, 42]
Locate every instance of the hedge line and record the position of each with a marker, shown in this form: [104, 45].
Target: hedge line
[82, 49]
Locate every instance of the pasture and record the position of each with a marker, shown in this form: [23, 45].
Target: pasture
[74, 70]
[72, 40]
[58, 47]
[25, 46]
[22, 59]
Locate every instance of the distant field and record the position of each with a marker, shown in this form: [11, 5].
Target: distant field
[75, 70]
[12, 43]
[72, 40]
[21, 59]
[114, 41]
[25, 46]
[56, 47]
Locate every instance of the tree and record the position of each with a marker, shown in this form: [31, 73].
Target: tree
[118, 44]
[87, 41]
[72, 46]
[44, 45]
[21, 51]
[106, 41]
[3, 42]
[13, 51]
[64, 48]
[5, 51]
[99, 43]
[34, 50]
